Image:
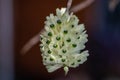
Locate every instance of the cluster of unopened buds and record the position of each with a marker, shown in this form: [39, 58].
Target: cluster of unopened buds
[62, 41]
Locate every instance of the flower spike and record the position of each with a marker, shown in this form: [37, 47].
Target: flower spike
[63, 41]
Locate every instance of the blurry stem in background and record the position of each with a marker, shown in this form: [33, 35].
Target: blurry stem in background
[74, 9]
[6, 40]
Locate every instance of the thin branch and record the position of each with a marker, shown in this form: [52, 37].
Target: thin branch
[81, 6]
[69, 3]
[30, 43]
[36, 38]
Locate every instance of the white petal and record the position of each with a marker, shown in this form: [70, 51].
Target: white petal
[66, 69]
[52, 68]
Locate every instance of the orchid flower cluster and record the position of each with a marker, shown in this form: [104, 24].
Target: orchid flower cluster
[62, 41]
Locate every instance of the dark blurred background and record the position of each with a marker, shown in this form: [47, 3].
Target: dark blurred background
[20, 20]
